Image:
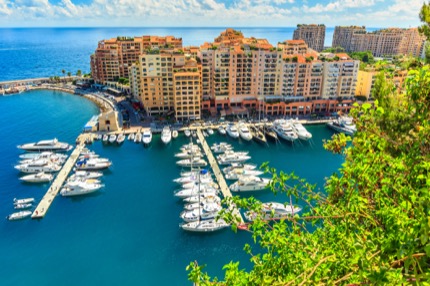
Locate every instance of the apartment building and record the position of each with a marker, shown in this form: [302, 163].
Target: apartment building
[366, 81]
[313, 35]
[344, 35]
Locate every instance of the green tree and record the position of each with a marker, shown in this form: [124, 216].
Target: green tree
[64, 74]
[372, 223]
[79, 73]
[425, 28]
[69, 74]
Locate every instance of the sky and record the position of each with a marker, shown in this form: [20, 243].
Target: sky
[208, 13]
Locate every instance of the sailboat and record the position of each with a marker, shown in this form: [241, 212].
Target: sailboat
[200, 225]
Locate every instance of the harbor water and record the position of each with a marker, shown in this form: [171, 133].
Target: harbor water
[127, 233]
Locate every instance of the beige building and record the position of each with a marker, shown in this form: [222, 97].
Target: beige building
[343, 36]
[313, 35]
[109, 121]
[366, 81]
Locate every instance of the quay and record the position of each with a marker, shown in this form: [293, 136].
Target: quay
[58, 182]
[215, 168]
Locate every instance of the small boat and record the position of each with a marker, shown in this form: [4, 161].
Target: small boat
[204, 182]
[175, 134]
[99, 137]
[221, 148]
[81, 180]
[188, 154]
[129, 137]
[258, 135]
[46, 145]
[207, 211]
[185, 193]
[138, 137]
[300, 130]
[79, 188]
[250, 183]
[244, 132]
[201, 197]
[86, 175]
[235, 174]
[93, 164]
[192, 162]
[234, 166]
[42, 155]
[166, 135]
[284, 130]
[147, 136]
[105, 138]
[221, 130]
[194, 134]
[22, 206]
[38, 166]
[210, 131]
[187, 132]
[19, 215]
[273, 210]
[37, 178]
[204, 225]
[120, 139]
[232, 131]
[112, 138]
[343, 124]
[204, 134]
[270, 134]
[205, 200]
[190, 147]
[132, 136]
[227, 159]
[23, 201]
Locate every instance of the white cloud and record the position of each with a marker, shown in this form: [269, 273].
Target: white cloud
[339, 5]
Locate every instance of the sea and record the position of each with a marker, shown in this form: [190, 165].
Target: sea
[127, 233]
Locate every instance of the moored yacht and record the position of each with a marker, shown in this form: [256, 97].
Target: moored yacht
[185, 193]
[175, 134]
[23, 201]
[166, 135]
[86, 175]
[222, 147]
[112, 138]
[38, 166]
[258, 135]
[105, 138]
[22, 206]
[244, 132]
[343, 124]
[232, 131]
[204, 225]
[42, 155]
[284, 130]
[37, 178]
[250, 183]
[228, 158]
[187, 132]
[235, 174]
[46, 145]
[19, 215]
[221, 130]
[93, 164]
[274, 210]
[192, 162]
[147, 136]
[120, 139]
[79, 188]
[300, 130]
[207, 211]
[138, 137]
[234, 166]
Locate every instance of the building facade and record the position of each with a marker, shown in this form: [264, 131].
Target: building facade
[313, 35]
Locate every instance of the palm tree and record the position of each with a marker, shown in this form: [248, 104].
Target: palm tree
[79, 73]
[64, 74]
[69, 74]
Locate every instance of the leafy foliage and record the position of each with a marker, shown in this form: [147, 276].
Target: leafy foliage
[372, 223]
[425, 28]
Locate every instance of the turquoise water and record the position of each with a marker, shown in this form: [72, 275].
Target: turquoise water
[126, 234]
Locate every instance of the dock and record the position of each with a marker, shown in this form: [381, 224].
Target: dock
[58, 182]
[216, 170]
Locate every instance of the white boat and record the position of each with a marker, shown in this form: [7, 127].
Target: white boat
[175, 134]
[19, 215]
[237, 173]
[343, 124]
[93, 164]
[187, 132]
[201, 197]
[221, 130]
[42, 155]
[205, 182]
[190, 147]
[300, 130]
[52, 159]
[192, 178]
[138, 137]
[38, 166]
[147, 136]
[185, 193]
[121, 138]
[221, 147]
[188, 154]
[129, 137]
[86, 175]
[22, 206]
[273, 210]
[258, 134]
[81, 180]
[166, 135]
[203, 200]
[194, 134]
[210, 131]
[88, 156]
[234, 166]
[105, 138]
[79, 188]
[227, 159]
[204, 225]
[112, 138]
[37, 178]
[206, 212]
[232, 131]
[46, 145]
[204, 133]
[244, 132]
[284, 130]
[23, 201]
[250, 183]
[99, 137]
[192, 162]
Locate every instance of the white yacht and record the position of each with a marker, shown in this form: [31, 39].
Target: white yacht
[23, 201]
[284, 130]
[221, 147]
[235, 174]
[86, 175]
[185, 193]
[88, 156]
[22, 206]
[79, 188]
[42, 155]
[232, 131]
[130, 137]
[274, 210]
[166, 135]
[204, 182]
[138, 137]
[46, 145]
[192, 178]
[207, 211]
[51, 159]
[204, 225]
[244, 132]
[147, 136]
[343, 124]
[203, 200]
[72, 181]
[227, 159]
[19, 215]
[175, 134]
[93, 164]
[250, 183]
[300, 130]
[37, 178]
[192, 162]
[38, 166]
[234, 166]
[105, 138]
[210, 131]
[121, 138]
[221, 130]
[187, 132]
[201, 197]
[190, 147]
[112, 138]
[188, 154]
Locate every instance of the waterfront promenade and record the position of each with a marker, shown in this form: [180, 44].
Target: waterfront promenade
[58, 182]
[217, 172]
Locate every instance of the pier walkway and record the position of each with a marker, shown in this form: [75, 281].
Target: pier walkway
[215, 168]
[56, 185]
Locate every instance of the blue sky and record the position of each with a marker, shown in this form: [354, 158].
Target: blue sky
[196, 13]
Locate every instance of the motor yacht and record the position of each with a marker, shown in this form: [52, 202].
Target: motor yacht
[22, 206]
[42, 155]
[258, 135]
[203, 200]
[187, 132]
[249, 183]
[221, 147]
[192, 178]
[175, 134]
[112, 138]
[93, 164]
[23, 201]
[226, 159]
[234, 166]
[269, 133]
[147, 136]
[51, 159]
[185, 193]
[204, 182]
[37, 178]
[188, 154]
[244, 132]
[121, 138]
[86, 175]
[232, 131]
[166, 135]
[19, 215]
[46, 145]
[221, 130]
[207, 211]
[210, 131]
[130, 137]
[235, 174]
[284, 130]
[300, 130]
[343, 124]
[204, 225]
[38, 166]
[273, 210]
[105, 138]
[192, 162]
[138, 137]
[190, 147]
[79, 188]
